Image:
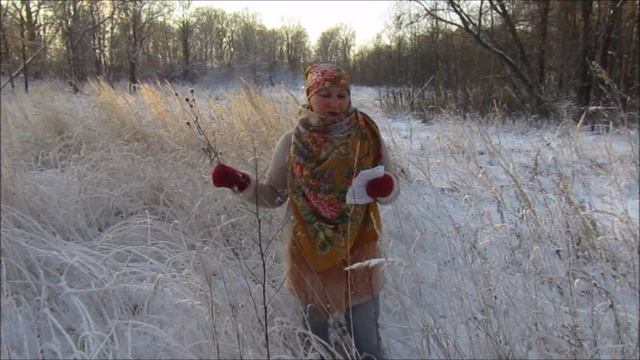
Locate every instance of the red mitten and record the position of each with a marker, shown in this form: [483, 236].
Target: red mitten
[380, 187]
[226, 176]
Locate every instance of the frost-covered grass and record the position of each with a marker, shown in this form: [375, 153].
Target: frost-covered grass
[506, 241]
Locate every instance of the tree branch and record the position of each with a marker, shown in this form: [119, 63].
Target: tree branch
[23, 65]
[501, 9]
[477, 33]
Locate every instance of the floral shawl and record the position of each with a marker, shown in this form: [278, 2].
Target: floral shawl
[323, 161]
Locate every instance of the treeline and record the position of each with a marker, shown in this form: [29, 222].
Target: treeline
[487, 55]
[509, 55]
[139, 39]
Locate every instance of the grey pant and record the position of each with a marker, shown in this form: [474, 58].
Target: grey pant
[363, 317]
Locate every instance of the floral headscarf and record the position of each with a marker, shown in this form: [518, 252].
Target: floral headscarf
[322, 76]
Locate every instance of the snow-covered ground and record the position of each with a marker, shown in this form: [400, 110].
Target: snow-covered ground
[507, 240]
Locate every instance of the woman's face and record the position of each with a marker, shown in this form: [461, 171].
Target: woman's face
[330, 101]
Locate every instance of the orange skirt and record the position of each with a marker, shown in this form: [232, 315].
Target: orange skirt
[334, 289]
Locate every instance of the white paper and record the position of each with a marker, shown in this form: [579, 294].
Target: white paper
[357, 193]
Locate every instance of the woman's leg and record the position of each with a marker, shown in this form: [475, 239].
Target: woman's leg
[316, 321]
[364, 319]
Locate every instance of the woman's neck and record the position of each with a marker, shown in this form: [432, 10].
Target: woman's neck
[308, 117]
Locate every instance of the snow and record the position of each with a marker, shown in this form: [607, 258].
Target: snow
[507, 240]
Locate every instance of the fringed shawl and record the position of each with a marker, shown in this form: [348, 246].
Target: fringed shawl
[326, 154]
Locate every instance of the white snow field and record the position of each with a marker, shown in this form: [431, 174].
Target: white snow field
[507, 241]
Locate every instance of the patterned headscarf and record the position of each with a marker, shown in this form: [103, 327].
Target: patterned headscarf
[322, 76]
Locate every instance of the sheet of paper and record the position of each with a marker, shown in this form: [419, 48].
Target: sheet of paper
[357, 193]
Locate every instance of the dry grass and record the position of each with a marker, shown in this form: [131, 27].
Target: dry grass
[115, 245]
[116, 185]
[528, 247]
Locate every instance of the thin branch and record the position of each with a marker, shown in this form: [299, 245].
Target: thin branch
[468, 26]
[23, 65]
[432, 14]
[501, 9]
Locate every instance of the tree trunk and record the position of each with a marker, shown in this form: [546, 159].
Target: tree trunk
[501, 9]
[608, 23]
[133, 80]
[569, 29]
[185, 49]
[611, 21]
[134, 50]
[583, 92]
[30, 24]
[6, 53]
[25, 69]
[542, 43]
[630, 68]
[109, 62]
[96, 39]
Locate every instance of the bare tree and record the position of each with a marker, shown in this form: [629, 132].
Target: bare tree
[210, 35]
[27, 16]
[470, 17]
[583, 91]
[243, 42]
[138, 15]
[295, 47]
[631, 64]
[74, 28]
[6, 52]
[269, 40]
[80, 24]
[609, 18]
[100, 12]
[186, 31]
[543, 29]
[335, 45]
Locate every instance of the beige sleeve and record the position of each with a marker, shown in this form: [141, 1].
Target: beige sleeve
[389, 168]
[272, 191]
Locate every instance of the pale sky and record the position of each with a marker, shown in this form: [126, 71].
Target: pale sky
[367, 18]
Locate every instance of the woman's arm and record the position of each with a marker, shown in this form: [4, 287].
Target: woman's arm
[272, 191]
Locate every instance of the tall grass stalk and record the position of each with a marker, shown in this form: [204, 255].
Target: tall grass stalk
[261, 247]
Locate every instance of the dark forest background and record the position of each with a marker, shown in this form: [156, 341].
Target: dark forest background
[535, 57]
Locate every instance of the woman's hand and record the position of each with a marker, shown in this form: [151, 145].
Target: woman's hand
[228, 177]
[380, 187]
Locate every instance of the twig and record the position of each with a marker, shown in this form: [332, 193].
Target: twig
[211, 307]
[420, 91]
[22, 67]
[290, 94]
[234, 310]
[265, 304]
[194, 111]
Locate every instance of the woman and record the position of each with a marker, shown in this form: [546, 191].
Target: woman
[334, 215]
